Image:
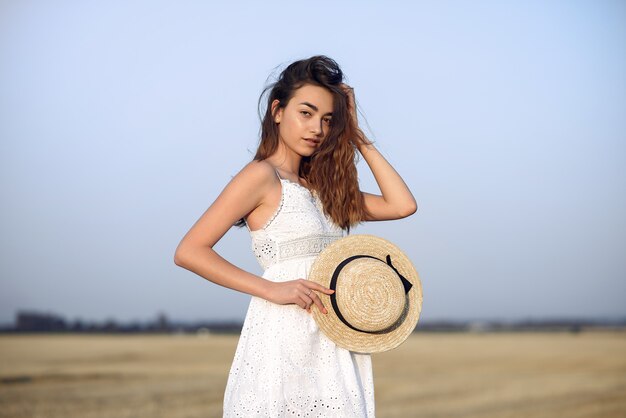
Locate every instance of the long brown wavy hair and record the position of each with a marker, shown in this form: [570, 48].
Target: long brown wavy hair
[331, 170]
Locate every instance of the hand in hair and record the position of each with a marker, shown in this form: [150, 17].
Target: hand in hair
[349, 92]
[360, 140]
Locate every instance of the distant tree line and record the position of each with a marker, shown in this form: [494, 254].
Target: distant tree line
[30, 321]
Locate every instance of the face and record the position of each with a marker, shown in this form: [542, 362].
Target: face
[304, 123]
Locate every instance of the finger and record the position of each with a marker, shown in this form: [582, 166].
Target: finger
[318, 303]
[307, 300]
[317, 286]
[308, 296]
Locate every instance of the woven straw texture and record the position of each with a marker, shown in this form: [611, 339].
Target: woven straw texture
[369, 294]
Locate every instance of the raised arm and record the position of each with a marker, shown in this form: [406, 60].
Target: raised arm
[396, 201]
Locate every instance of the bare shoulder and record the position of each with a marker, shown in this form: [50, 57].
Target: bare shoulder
[244, 193]
[256, 177]
[257, 172]
[254, 181]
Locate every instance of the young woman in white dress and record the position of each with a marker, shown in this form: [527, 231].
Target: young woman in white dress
[300, 189]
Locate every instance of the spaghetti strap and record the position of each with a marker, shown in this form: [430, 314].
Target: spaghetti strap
[279, 177]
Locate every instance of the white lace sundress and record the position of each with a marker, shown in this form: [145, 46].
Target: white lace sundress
[284, 366]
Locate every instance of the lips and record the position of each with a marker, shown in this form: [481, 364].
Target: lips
[312, 141]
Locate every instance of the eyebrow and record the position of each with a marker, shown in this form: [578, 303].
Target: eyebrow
[312, 106]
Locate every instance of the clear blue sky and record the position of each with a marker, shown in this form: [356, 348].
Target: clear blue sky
[121, 122]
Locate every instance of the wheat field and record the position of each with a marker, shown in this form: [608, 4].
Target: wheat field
[504, 375]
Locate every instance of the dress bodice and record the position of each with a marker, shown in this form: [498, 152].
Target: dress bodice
[298, 228]
[284, 365]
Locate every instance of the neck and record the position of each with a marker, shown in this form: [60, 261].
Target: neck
[286, 160]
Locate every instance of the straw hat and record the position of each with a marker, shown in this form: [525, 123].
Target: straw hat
[378, 294]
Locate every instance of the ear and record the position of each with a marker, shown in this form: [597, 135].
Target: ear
[276, 111]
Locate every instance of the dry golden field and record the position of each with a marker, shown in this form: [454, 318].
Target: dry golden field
[431, 375]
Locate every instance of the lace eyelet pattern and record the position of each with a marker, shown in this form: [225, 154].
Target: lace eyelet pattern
[277, 241]
[305, 247]
[284, 366]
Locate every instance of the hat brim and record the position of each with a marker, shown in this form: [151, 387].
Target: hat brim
[330, 324]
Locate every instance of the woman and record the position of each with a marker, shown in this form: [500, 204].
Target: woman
[298, 194]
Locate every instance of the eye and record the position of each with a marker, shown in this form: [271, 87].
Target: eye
[328, 121]
[304, 112]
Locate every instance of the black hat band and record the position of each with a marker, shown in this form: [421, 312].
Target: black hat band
[333, 284]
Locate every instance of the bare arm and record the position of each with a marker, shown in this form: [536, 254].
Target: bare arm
[195, 251]
[396, 201]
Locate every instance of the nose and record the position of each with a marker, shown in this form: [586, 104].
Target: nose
[316, 127]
